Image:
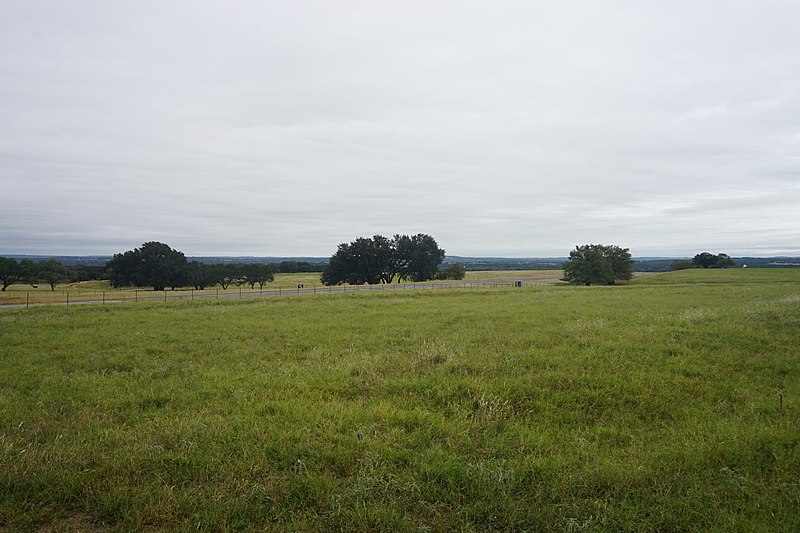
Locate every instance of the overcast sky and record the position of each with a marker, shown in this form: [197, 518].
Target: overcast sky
[501, 128]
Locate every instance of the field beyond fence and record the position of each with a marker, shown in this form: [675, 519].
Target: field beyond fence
[100, 292]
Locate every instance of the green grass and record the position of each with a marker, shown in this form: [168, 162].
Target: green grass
[99, 290]
[20, 294]
[668, 404]
[477, 275]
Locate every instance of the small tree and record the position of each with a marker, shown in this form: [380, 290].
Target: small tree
[12, 271]
[724, 261]
[681, 264]
[51, 271]
[709, 260]
[454, 271]
[704, 260]
[289, 267]
[227, 274]
[598, 263]
[201, 275]
[258, 273]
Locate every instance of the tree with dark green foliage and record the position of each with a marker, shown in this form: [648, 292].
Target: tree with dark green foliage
[598, 264]
[342, 266]
[724, 261]
[422, 257]
[681, 264]
[51, 271]
[227, 274]
[289, 267]
[12, 271]
[454, 271]
[257, 273]
[709, 260]
[382, 260]
[201, 275]
[292, 267]
[355, 263]
[154, 264]
[86, 272]
[704, 259]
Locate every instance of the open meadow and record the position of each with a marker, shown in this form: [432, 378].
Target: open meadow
[98, 290]
[23, 294]
[671, 403]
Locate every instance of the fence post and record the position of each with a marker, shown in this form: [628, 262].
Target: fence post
[27, 300]
[104, 297]
[65, 292]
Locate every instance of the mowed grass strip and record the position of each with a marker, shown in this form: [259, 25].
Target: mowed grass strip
[669, 404]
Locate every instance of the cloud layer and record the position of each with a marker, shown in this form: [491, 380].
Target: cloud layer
[513, 128]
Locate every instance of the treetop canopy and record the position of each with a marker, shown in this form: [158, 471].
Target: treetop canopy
[598, 264]
[382, 260]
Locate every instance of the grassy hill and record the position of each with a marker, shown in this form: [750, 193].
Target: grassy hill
[671, 403]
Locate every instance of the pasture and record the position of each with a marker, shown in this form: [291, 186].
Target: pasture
[22, 294]
[671, 403]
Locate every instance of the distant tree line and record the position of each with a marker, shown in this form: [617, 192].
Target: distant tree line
[704, 260]
[157, 265]
[48, 271]
[153, 265]
[293, 267]
[505, 263]
[365, 260]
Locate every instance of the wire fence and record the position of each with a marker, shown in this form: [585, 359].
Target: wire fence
[17, 298]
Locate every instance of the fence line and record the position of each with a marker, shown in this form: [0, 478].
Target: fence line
[102, 297]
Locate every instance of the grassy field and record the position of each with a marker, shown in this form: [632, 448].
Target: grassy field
[477, 275]
[98, 291]
[92, 290]
[668, 404]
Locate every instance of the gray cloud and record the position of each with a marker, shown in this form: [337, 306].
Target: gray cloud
[284, 128]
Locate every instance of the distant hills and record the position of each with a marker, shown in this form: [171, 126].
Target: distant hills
[662, 264]
[640, 264]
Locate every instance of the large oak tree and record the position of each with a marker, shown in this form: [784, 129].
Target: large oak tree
[382, 260]
[155, 264]
[709, 260]
[598, 264]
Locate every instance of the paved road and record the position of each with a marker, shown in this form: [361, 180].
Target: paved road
[147, 296]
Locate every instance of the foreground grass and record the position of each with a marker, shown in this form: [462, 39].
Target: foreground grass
[669, 404]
